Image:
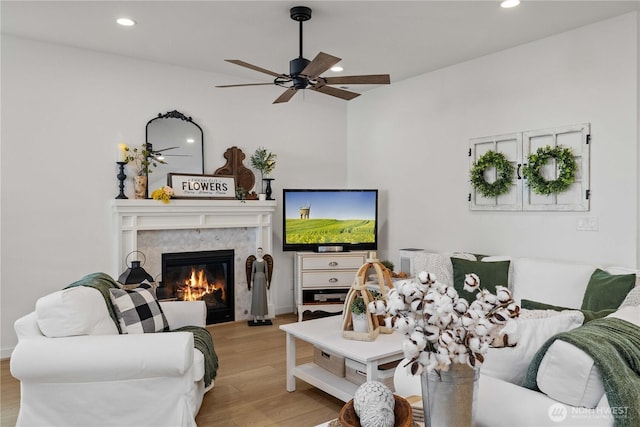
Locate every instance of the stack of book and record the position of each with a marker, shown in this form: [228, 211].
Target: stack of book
[416, 408]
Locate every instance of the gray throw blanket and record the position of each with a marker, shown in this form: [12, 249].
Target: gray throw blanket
[202, 339]
[614, 346]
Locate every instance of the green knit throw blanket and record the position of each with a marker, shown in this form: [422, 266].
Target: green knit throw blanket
[202, 339]
[614, 346]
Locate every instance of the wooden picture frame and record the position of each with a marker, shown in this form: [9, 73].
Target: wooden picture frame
[195, 186]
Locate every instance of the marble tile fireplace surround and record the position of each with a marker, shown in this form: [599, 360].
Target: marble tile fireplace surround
[155, 228]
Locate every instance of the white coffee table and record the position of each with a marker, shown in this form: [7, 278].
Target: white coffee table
[326, 333]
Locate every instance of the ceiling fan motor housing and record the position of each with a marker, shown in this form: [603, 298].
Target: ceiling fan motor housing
[300, 13]
[295, 68]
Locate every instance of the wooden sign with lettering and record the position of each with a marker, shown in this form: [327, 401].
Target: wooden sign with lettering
[192, 186]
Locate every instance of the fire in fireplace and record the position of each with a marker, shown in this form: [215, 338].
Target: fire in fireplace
[202, 275]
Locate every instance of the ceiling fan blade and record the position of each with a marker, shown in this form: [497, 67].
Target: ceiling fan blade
[164, 149]
[246, 84]
[254, 67]
[334, 91]
[286, 95]
[373, 79]
[321, 63]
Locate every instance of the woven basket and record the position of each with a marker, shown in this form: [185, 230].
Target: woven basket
[402, 412]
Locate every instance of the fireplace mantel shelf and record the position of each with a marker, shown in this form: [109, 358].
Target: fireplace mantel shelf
[179, 214]
[182, 205]
[132, 216]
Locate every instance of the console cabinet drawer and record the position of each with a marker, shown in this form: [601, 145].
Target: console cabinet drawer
[332, 262]
[325, 279]
[330, 274]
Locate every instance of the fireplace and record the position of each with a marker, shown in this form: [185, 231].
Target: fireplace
[201, 275]
[194, 225]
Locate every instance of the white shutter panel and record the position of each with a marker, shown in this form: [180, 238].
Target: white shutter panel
[576, 197]
[511, 146]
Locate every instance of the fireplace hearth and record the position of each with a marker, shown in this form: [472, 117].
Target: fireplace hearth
[201, 275]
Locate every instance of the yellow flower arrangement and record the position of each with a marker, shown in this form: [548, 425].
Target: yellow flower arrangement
[164, 193]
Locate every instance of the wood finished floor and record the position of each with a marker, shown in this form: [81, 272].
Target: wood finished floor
[250, 387]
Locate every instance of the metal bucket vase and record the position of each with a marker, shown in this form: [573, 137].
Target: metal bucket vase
[449, 397]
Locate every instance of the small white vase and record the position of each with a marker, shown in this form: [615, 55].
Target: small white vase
[262, 197]
[360, 322]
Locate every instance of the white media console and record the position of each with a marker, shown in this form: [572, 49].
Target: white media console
[322, 280]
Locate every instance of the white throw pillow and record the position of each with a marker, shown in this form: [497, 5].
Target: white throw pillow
[533, 328]
[80, 310]
[551, 282]
[630, 313]
[568, 375]
[632, 298]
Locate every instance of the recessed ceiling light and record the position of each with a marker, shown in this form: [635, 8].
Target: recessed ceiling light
[126, 22]
[191, 140]
[509, 3]
[336, 68]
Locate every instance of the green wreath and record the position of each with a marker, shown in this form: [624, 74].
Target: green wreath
[566, 165]
[504, 170]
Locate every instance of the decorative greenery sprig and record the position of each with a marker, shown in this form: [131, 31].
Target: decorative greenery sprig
[142, 159]
[263, 161]
[566, 170]
[357, 306]
[504, 169]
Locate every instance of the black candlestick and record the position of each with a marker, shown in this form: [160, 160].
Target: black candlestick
[121, 177]
[268, 190]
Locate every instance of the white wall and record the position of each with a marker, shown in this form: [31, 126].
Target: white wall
[411, 140]
[64, 111]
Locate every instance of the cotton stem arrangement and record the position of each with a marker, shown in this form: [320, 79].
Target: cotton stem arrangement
[442, 328]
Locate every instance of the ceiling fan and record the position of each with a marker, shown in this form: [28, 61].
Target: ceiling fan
[159, 156]
[305, 74]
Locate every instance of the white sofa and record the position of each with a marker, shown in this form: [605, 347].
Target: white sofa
[86, 374]
[501, 400]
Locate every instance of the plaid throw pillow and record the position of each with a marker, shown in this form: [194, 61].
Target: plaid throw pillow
[138, 310]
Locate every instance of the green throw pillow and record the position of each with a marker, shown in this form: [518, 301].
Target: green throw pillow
[589, 315]
[491, 274]
[607, 291]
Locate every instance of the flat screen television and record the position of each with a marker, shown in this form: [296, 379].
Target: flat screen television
[330, 220]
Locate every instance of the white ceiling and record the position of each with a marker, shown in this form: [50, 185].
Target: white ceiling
[402, 38]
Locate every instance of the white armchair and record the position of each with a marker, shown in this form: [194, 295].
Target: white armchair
[153, 379]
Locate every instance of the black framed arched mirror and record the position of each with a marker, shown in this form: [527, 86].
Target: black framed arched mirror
[178, 141]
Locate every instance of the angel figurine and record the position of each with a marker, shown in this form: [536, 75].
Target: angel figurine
[259, 271]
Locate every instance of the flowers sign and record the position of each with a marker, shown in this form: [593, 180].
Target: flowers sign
[440, 327]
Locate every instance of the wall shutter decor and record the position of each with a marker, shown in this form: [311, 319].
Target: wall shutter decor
[517, 147]
[510, 145]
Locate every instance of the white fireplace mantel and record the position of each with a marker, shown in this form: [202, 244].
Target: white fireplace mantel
[132, 216]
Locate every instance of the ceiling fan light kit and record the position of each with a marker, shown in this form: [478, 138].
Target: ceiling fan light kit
[305, 74]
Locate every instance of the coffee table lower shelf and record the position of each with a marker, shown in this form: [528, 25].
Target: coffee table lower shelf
[319, 377]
